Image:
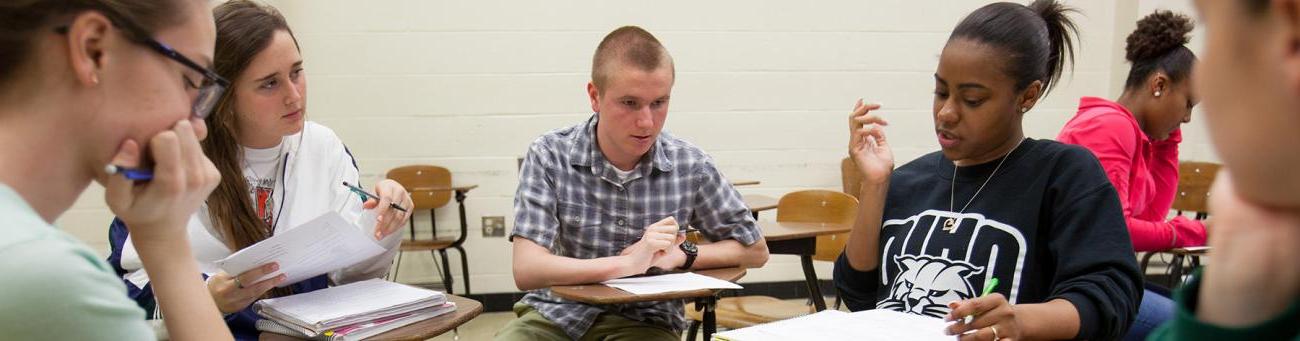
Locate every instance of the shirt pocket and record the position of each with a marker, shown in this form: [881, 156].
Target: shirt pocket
[582, 232]
[574, 217]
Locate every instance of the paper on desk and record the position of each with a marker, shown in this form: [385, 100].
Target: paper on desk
[319, 246]
[685, 281]
[829, 325]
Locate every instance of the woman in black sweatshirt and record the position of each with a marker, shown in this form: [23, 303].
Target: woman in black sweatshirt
[1038, 216]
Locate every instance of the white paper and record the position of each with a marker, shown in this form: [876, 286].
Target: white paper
[830, 325]
[668, 283]
[352, 299]
[324, 244]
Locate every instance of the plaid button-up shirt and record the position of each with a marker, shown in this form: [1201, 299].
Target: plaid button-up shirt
[571, 201]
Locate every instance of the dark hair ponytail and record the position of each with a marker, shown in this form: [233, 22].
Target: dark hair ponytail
[1038, 38]
[1157, 45]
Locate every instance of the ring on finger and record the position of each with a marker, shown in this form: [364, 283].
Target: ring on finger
[238, 284]
[995, 333]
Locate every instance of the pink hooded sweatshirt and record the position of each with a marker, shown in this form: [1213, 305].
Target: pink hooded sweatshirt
[1144, 173]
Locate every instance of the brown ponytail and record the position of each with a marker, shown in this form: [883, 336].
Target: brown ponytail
[20, 20]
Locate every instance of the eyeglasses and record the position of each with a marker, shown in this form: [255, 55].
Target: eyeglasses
[210, 88]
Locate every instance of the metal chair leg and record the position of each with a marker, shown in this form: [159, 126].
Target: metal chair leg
[1146, 260]
[446, 271]
[397, 268]
[464, 267]
[692, 330]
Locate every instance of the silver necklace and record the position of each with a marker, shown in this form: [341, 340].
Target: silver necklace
[950, 224]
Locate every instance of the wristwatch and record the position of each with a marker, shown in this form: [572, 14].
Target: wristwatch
[691, 251]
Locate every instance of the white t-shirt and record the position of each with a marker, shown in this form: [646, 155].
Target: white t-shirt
[623, 175]
[262, 171]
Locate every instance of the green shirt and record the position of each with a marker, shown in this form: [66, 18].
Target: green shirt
[1185, 326]
[54, 287]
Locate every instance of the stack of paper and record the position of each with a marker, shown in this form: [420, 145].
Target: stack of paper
[685, 281]
[829, 325]
[352, 311]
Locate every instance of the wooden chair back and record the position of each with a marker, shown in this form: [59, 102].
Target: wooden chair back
[820, 206]
[1194, 180]
[424, 176]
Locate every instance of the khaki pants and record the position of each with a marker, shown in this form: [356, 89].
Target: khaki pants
[531, 325]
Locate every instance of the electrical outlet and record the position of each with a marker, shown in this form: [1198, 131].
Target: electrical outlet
[494, 226]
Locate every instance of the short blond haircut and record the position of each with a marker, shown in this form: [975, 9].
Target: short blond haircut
[631, 46]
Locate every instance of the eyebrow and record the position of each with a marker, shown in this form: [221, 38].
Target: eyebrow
[961, 85]
[269, 76]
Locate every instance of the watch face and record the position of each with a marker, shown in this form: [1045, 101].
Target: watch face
[689, 247]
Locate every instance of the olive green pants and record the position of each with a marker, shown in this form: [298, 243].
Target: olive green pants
[531, 325]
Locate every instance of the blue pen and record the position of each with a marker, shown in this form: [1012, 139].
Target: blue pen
[136, 174]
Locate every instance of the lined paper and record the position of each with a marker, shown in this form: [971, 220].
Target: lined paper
[321, 245]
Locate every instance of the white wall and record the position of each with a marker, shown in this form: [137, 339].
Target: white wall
[763, 86]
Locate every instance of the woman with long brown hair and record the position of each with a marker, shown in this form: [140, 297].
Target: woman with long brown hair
[279, 171]
[85, 84]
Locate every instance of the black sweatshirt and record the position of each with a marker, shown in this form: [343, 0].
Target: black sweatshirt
[1048, 225]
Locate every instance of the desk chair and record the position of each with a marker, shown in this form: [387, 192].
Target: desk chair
[430, 188]
[812, 206]
[1194, 181]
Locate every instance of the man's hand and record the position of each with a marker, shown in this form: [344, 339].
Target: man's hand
[657, 240]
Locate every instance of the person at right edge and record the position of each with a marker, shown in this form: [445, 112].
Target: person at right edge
[1250, 80]
[1038, 216]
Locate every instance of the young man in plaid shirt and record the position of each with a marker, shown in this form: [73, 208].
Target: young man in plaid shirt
[608, 198]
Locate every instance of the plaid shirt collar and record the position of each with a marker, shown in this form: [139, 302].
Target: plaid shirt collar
[595, 160]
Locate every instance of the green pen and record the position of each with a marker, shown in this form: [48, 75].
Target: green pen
[989, 285]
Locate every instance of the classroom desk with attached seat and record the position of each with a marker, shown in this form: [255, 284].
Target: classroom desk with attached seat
[800, 239]
[758, 203]
[705, 298]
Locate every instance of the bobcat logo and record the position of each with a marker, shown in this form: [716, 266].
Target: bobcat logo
[925, 285]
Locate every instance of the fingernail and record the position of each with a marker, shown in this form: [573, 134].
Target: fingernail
[273, 267]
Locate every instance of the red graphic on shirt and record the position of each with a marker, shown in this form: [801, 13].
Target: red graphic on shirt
[262, 197]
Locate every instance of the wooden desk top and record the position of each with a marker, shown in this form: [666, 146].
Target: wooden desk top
[1191, 250]
[784, 230]
[745, 182]
[602, 294]
[461, 188]
[466, 309]
[759, 202]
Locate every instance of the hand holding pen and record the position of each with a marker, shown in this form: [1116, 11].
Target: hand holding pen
[182, 178]
[391, 199]
[987, 317]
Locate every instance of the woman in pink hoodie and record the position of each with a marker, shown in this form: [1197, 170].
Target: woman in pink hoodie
[1136, 136]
